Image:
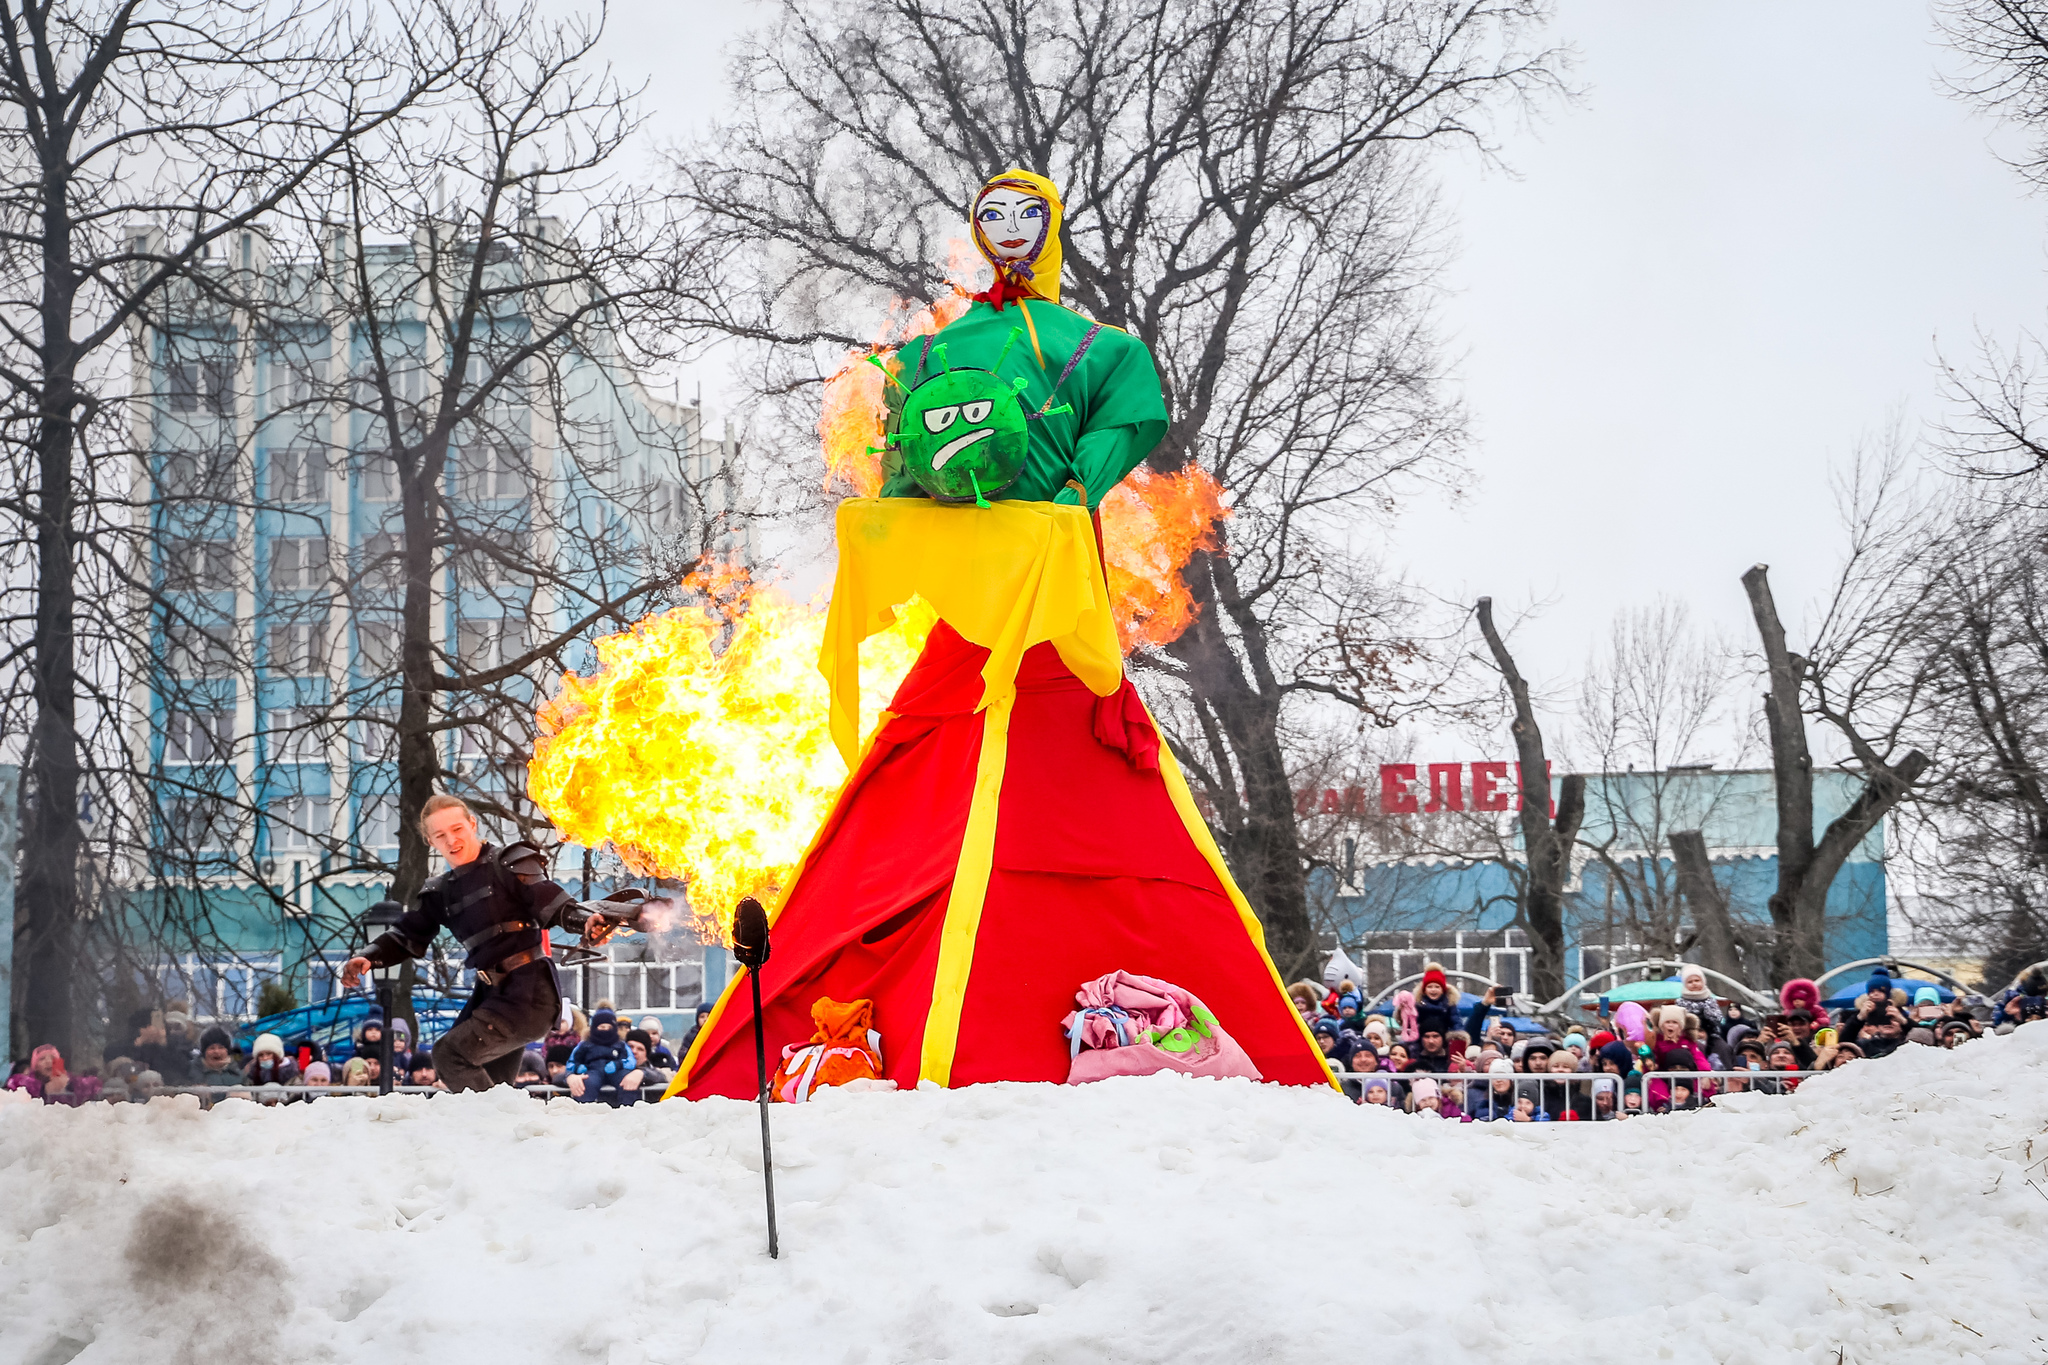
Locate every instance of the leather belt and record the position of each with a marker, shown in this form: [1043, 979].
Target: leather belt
[511, 965]
[491, 931]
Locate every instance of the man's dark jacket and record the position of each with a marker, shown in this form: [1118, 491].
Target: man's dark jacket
[500, 906]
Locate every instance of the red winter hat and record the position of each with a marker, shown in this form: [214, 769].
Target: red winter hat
[1600, 1040]
[1435, 977]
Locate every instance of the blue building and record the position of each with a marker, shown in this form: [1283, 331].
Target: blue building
[1444, 885]
[267, 731]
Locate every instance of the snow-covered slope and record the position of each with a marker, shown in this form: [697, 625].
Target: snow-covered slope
[1895, 1212]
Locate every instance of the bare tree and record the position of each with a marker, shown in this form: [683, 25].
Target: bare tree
[1967, 600]
[201, 117]
[498, 286]
[1547, 838]
[1244, 194]
[1853, 683]
[1715, 945]
[2004, 46]
[1982, 829]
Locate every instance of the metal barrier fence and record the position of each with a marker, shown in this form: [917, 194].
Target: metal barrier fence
[1579, 1093]
[262, 1093]
[1554, 1094]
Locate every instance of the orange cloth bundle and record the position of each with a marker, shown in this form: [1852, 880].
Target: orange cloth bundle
[843, 1049]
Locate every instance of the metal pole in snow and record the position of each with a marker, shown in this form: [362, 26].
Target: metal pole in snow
[750, 946]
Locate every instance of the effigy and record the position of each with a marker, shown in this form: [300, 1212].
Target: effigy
[1015, 868]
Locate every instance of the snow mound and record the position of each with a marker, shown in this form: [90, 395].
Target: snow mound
[1892, 1212]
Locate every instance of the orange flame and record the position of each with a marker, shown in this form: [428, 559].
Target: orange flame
[709, 764]
[1152, 524]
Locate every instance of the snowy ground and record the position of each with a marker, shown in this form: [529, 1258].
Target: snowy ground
[1895, 1212]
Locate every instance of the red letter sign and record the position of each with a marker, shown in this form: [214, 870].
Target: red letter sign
[1395, 798]
[1486, 792]
[1446, 787]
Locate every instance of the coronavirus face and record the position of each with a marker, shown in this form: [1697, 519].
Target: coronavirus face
[1013, 222]
[962, 435]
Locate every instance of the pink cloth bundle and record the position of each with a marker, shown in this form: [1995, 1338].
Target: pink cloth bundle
[1128, 1025]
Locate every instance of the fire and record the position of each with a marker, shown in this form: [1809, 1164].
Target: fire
[706, 763]
[1152, 524]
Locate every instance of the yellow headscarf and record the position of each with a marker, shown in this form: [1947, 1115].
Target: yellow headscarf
[1041, 277]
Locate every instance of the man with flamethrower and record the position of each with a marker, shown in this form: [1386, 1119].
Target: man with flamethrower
[501, 905]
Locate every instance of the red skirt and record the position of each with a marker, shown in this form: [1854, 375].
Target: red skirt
[1092, 870]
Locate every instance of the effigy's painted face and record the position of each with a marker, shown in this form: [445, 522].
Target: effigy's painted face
[962, 435]
[1013, 222]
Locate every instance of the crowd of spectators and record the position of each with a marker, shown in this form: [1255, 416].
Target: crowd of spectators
[1436, 1051]
[1633, 1059]
[598, 1058]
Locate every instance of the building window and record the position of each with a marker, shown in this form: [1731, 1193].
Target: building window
[197, 652]
[383, 552]
[377, 824]
[502, 563]
[1510, 967]
[199, 565]
[404, 383]
[491, 642]
[191, 474]
[298, 823]
[298, 648]
[219, 988]
[201, 385]
[380, 480]
[198, 736]
[198, 824]
[294, 383]
[298, 562]
[291, 736]
[377, 734]
[377, 646]
[668, 503]
[323, 979]
[298, 474]
[491, 471]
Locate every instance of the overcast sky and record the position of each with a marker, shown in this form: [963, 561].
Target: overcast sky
[1738, 254]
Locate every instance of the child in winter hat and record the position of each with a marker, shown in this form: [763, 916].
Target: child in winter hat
[1497, 1100]
[1800, 994]
[604, 1064]
[267, 1062]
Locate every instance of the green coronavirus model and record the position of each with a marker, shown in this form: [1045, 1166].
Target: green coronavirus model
[962, 435]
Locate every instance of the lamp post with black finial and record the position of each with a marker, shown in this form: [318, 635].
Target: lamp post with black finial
[382, 918]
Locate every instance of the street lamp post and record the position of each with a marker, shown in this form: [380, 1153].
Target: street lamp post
[379, 919]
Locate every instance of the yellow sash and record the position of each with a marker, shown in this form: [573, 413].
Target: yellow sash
[1007, 577]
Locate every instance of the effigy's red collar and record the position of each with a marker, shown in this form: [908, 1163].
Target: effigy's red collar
[1001, 292]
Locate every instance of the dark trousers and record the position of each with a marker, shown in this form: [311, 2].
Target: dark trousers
[484, 1046]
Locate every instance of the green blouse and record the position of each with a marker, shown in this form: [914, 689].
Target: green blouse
[1118, 412]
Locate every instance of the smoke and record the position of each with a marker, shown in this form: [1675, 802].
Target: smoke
[214, 1290]
[660, 914]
